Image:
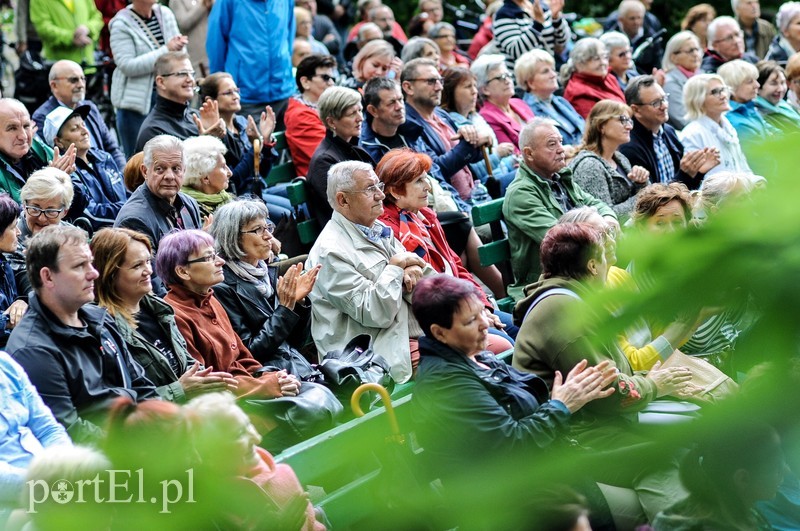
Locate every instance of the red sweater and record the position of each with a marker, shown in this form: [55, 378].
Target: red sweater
[584, 90]
[304, 132]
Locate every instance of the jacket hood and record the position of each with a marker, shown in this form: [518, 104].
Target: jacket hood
[532, 291]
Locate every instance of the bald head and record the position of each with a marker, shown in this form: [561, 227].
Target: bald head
[68, 83]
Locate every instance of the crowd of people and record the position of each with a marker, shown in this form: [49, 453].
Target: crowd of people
[144, 293]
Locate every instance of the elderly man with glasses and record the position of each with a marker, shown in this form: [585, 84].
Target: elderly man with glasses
[366, 278]
[654, 144]
[725, 43]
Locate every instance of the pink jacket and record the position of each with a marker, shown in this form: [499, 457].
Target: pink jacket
[505, 128]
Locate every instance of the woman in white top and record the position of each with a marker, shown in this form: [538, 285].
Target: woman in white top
[706, 98]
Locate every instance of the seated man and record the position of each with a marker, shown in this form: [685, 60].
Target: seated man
[631, 21]
[365, 274]
[541, 192]
[70, 348]
[68, 89]
[654, 144]
[758, 33]
[725, 43]
[96, 172]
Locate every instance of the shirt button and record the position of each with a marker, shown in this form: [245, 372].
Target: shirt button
[214, 321]
[233, 346]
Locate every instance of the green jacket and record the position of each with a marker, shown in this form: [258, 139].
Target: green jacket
[10, 180]
[530, 210]
[56, 26]
[554, 337]
[155, 365]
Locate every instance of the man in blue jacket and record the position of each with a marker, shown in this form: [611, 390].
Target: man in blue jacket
[252, 41]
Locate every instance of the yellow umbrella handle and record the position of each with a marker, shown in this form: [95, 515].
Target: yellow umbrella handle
[387, 401]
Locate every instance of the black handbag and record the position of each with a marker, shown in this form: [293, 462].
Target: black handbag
[298, 418]
[294, 363]
[344, 370]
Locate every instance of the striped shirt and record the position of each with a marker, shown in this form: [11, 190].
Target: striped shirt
[515, 32]
[153, 27]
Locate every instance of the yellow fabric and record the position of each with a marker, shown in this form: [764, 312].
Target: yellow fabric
[70, 5]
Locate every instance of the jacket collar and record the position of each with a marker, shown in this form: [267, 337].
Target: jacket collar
[90, 314]
[171, 107]
[188, 296]
[565, 175]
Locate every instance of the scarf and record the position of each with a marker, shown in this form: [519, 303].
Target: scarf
[416, 237]
[210, 200]
[686, 72]
[255, 274]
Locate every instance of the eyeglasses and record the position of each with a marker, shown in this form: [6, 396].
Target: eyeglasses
[326, 78]
[182, 74]
[207, 258]
[235, 91]
[625, 120]
[259, 231]
[502, 77]
[657, 104]
[601, 57]
[49, 213]
[445, 36]
[431, 81]
[732, 37]
[371, 190]
[689, 51]
[72, 79]
[720, 91]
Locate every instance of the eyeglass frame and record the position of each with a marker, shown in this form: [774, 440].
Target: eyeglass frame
[259, 231]
[625, 120]
[430, 81]
[209, 259]
[505, 76]
[46, 211]
[326, 78]
[230, 92]
[369, 190]
[181, 73]
[72, 80]
[656, 104]
[731, 37]
[723, 90]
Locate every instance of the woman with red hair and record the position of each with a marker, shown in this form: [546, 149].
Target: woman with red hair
[405, 174]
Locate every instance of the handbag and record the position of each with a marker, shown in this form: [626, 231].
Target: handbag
[294, 363]
[714, 383]
[344, 370]
[314, 410]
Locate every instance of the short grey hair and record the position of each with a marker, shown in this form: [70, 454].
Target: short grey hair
[335, 101]
[786, 14]
[341, 177]
[437, 28]
[366, 26]
[615, 39]
[200, 155]
[581, 214]
[483, 65]
[736, 72]
[629, 5]
[526, 64]
[164, 62]
[585, 49]
[717, 187]
[674, 44]
[15, 103]
[228, 222]
[414, 48]
[410, 69]
[47, 184]
[161, 144]
[529, 131]
[717, 24]
[694, 94]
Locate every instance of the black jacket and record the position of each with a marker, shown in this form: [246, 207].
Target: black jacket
[640, 152]
[265, 327]
[78, 372]
[712, 61]
[167, 117]
[330, 151]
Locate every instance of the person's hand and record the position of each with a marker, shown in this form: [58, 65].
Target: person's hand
[692, 161]
[195, 381]
[275, 245]
[584, 384]
[711, 161]
[396, 66]
[251, 130]
[505, 149]
[660, 76]
[305, 282]
[207, 221]
[405, 259]
[411, 276]
[294, 286]
[494, 320]
[65, 162]
[80, 37]
[639, 175]
[290, 385]
[15, 312]
[671, 381]
[177, 43]
[556, 8]
[468, 133]
[209, 122]
[21, 47]
[267, 123]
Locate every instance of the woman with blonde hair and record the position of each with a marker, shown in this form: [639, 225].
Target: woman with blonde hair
[742, 79]
[599, 168]
[376, 59]
[682, 58]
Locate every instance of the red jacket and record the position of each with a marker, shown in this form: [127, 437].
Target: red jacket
[304, 132]
[584, 90]
[481, 39]
[506, 129]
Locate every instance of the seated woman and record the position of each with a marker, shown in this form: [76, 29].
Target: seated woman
[599, 168]
[741, 78]
[682, 57]
[13, 302]
[376, 59]
[341, 111]
[696, 21]
[770, 101]
[189, 266]
[620, 60]
[536, 75]
[132, 172]
[406, 212]
[206, 174]
[95, 170]
[270, 314]
[420, 47]
[587, 78]
[459, 99]
[787, 42]
[444, 34]
[145, 322]
[304, 130]
[706, 100]
[504, 113]
[793, 80]
[469, 406]
[726, 474]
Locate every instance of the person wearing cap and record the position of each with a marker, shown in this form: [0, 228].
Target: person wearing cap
[95, 169]
[68, 89]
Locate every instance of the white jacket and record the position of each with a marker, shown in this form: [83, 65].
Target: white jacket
[358, 292]
[135, 55]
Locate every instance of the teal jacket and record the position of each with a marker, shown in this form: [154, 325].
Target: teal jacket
[530, 210]
[781, 116]
[10, 180]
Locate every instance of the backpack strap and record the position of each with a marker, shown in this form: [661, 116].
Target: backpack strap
[548, 293]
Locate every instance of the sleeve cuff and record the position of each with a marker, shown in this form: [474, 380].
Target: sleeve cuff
[663, 347]
[558, 404]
